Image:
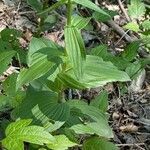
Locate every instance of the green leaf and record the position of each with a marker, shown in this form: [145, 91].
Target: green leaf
[75, 49]
[134, 69]
[79, 22]
[42, 107]
[36, 4]
[20, 131]
[10, 35]
[4, 103]
[91, 128]
[61, 143]
[146, 24]
[131, 51]
[96, 73]
[12, 97]
[100, 51]
[70, 81]
[35, 71]
[5, 59]
[83, 129]
[38, 43]
[53, 127]
[101, 101]
[8, 85]
[136, 9]
[91, 5]
[132, 26]
[120, 62]
[103, 18]
[99, 124]
[96, 143]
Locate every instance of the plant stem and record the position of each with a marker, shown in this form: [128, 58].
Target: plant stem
[53, 7]
[69, 12]
[61, 97]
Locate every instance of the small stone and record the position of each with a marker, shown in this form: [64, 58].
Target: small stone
[115, 115]
[119, 102]
[143, 101]
[129, 128]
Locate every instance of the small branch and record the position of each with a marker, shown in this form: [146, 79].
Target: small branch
[120, 31]
[124, 11]
[122, 37]
[128, 38]
[53, 7]
[123, 145]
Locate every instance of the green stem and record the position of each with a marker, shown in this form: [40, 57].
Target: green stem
[53, 7]
[61, 97]
[69, 12]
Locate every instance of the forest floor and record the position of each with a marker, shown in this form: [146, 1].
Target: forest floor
[129, 110]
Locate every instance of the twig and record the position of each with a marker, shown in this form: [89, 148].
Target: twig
[26, 12]
[139, 147]
[120, 31]
[128, 38]
[121, 37]
[123, 145]
[124, 11]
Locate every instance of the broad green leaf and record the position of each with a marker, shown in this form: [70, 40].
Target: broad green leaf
[71, 135]
[10, 35]
[79, 22]
[136, 9]
[96, 73]
[83, 129]
[91, 128]
[5, 59]
[76, 117]
[100, 51]
[61, 143]
[36, 4]
[101, 101]
[42, 107]
[144, 62]
[20, 131]
[70, 81]
[47, 52]
[131, 51]
[49, 22]
[11, 97]
[146, 24]
[75, 50]
[4, 45]
[17, 126]
[38, 43]
[134, 69]
[99, 123]
[53, 127]
[132, 26]
[91, 5]
[35, 71]
[4, 103]
[95, 143]
[103, 18]
[8, 85]
[120, 62]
